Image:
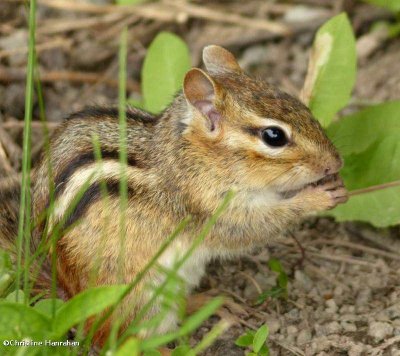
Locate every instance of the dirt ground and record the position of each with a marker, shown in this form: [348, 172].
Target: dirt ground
[344, 292]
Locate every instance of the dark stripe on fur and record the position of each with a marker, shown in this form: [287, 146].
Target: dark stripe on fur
[80, 161]
[101, 112]
[92, 195]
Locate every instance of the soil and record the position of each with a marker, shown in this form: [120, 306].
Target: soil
[343, 292]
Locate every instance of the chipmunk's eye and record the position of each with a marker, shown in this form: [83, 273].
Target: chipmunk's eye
[274, 136]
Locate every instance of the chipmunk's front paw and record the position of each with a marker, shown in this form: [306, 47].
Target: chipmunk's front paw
[326, 194]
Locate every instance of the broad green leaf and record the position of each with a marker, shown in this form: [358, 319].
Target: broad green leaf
[332, 69]
[12, 296]
[6, 279]
[152, 353]
[45, 306]
[18, 321]
[84, 305]
[260, 337]
[356, 132]
[164, 68]
[264, 351]
[379, 164]
[380, 208]
[392, 5]
[244, 340]
[370, 143]
[129, 348]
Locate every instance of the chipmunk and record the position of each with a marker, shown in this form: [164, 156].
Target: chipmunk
[224, 131]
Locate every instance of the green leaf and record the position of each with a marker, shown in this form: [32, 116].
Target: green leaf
[260, 338]
[6, 279]
[45, 306]
[12, 296]
[152, 353]
[18, 321]
[183, 350]
[84, 305]
[264, 351]
[370, 143]
[379, 164]
[164, 68]
[283, 280]
[5, 261]
[129, 348]
[275, 265]
[332, 69]
[392, 5]
[380, 208]
[356, 132]
[244, 340]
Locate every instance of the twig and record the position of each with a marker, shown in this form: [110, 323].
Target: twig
[374, 188]
[57, 26]
[300, 262]
[7, 75]
[20, 124]
[168, 12]
[378, 350]
[252, 280]
[358, 247]
[230, 18]
[346, 259]
[59, 42]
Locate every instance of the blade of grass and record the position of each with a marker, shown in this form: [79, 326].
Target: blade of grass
[25, 202]
[123, 159]
[210, 337]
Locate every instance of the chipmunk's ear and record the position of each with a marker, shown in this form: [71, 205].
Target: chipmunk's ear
[201, 92]
[218, 60]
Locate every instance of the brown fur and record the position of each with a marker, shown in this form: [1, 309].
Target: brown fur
[177, 167]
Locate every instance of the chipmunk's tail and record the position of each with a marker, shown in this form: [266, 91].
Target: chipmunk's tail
[10, 191]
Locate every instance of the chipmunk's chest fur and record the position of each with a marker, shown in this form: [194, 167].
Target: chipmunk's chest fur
[193, 268]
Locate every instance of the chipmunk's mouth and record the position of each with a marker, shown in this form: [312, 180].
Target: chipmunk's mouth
[286, 194]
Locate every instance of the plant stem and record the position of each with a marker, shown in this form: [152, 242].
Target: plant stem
[374, 188]
[25, 203]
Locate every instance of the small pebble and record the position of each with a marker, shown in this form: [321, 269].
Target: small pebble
[380, 330]
[331, 306]
[356, 350]
[348, 326]
[332, 327]
[303, 337]
[291, 330]
[273, 325]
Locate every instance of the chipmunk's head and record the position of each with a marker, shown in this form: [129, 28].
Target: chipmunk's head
[266, 137]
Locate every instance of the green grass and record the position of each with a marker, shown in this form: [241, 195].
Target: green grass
[24, 227]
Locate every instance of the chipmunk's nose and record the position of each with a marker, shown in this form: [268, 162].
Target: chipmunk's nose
[334, 167]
